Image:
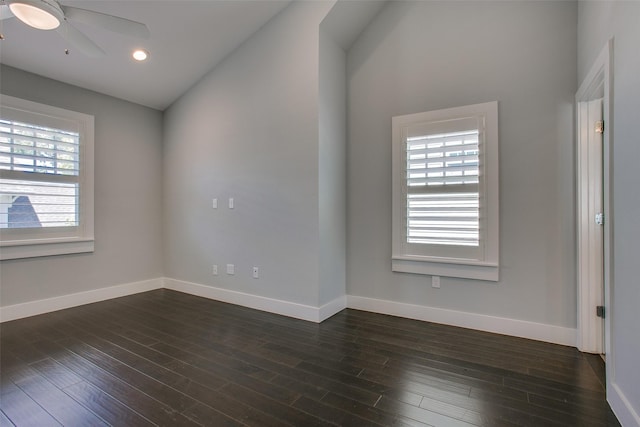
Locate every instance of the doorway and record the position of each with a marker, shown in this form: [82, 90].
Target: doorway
[590, 127]
[594, 206]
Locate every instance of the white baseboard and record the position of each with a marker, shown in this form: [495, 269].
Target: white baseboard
[284, 308]
[332, 307]
[500, 325]
[622, 407]
[33, 308]
[513, 327]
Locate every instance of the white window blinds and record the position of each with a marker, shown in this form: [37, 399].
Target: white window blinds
[445, 211]
[442, 172]
[39, 170]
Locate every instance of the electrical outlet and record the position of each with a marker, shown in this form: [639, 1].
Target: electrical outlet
[214, 270]
[230, 269]
[256, 273]
[230, 202]
[214, 204]
[435, 281]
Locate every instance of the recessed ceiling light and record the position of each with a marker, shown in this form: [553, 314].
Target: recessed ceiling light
[140, 55]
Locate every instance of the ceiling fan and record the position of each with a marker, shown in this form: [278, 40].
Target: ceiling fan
[51, 15]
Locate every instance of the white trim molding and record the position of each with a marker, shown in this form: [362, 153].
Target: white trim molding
[622, 407]
[16, 243]
[331, 308]
[464, 270]
[31, 250]
[271, 305]
[500, 325]
[33, 308]
[478, 257]
[481, 322]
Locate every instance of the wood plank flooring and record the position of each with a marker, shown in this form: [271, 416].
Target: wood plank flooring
[170, 359]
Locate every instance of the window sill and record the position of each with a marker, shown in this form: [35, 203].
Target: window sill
[447, 267]
[42, 248]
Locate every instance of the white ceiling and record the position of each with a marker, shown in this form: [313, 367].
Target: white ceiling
[188, 38]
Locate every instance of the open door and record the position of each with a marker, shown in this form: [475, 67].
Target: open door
[594, 202]
[591, 219]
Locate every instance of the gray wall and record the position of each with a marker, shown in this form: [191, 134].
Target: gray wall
[249, 130]
[332, 168]
[128, 194]
[420, 56]
[598, 22]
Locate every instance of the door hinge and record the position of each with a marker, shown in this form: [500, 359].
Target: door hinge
[600, 311]
[600, 218]
[600, 126]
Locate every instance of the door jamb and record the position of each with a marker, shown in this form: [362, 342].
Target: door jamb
[599, 78]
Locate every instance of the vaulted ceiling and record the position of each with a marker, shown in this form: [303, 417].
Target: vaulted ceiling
[188, 38]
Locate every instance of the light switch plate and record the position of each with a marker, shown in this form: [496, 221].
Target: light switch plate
[435, 281]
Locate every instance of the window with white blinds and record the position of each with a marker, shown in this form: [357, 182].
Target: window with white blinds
[40, 183]
[445, 212]
[442, 189]
[46, 180]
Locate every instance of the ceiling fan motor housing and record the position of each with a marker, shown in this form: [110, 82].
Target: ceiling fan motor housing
[37, 13]
[51, 15]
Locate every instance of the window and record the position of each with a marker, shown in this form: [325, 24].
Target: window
[46, 180]
[445, 192]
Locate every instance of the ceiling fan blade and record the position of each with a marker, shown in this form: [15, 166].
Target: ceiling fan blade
[79, 40]
[108, 22]
[5, 13]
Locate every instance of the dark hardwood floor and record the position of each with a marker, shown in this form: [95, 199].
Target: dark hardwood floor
[167, 358]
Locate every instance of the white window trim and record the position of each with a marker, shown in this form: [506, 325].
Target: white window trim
[45, 242]
[486, 268]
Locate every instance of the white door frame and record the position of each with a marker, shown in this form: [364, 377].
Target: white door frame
[597, 84]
